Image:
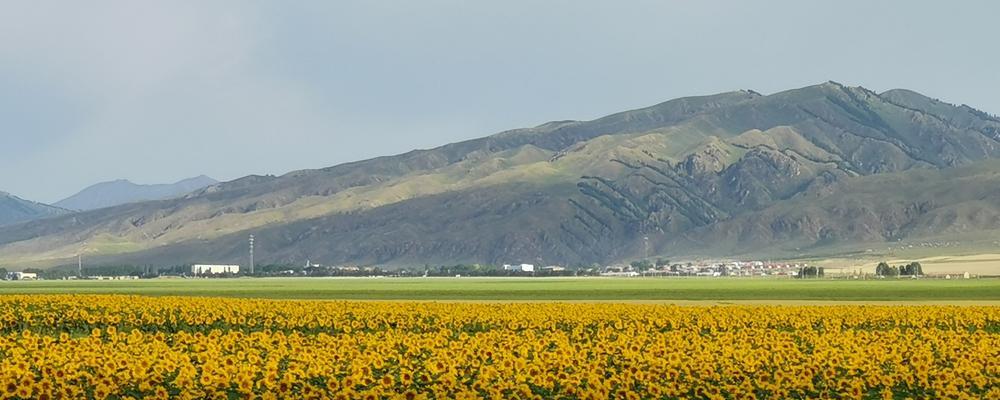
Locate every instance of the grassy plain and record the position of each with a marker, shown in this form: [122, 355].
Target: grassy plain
[986, 291]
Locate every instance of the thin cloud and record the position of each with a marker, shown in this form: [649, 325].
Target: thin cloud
[159, 91]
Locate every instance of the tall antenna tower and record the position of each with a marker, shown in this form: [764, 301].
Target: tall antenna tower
[251, 254]
[79, 260]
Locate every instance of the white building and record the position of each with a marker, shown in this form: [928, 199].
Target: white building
[199, 269]
[22, 276]
[628, 274]
[520, 268]
[114, 278]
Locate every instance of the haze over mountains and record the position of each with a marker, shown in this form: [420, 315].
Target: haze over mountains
[122, 191]
[14, 209]
[824, 168]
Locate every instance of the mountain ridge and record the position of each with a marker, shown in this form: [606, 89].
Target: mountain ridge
[15, 210]
[123, 191]
[565, 191]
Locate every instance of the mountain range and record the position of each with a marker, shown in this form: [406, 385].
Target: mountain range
[825, 168]
[14, 209]
[122, 191]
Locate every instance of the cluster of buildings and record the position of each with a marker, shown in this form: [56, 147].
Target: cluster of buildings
[637, 269]
[709, 268]
[111, 278]
[208, 269]
[21, 276]
[196, 270]
[531, 268]
[31, 276]
[519, 267]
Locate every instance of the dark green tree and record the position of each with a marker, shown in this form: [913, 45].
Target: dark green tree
[810, 272]
[913, 269]
[882, 269]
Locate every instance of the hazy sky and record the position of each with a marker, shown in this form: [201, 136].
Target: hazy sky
[159, 91]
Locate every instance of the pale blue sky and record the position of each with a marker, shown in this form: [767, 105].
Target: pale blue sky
[159, 91]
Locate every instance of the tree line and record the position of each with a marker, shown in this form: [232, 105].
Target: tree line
[912, 269]
[811, 272]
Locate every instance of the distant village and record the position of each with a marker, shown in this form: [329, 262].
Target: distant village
[642, 268]
[718, 269]
[634, 269]
[663, 268]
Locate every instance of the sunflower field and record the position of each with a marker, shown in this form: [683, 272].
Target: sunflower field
[118, 347]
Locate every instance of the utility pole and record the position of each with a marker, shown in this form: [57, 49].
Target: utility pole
[79, 260]
[251, 254]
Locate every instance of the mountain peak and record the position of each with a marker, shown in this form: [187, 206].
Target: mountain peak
[123, 191]
[200, 179]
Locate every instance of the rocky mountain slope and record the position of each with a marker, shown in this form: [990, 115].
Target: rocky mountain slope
[113, 193]
[726, 174]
